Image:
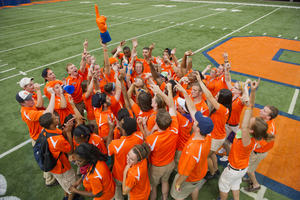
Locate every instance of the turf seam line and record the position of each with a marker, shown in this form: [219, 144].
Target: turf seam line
[233, 3]
[294, 100]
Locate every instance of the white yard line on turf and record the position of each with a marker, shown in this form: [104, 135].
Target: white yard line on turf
[15, 148]
[22, 144]
[232, 3]
[90, 30]
[3, 65]
[7, 70]
[294, 100]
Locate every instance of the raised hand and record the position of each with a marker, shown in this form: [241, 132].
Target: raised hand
[255, 84]
[152, 46]
[225, 56]
[122, 43]
[86, 44]
[189, 53]
[134, 42]
[173, 51]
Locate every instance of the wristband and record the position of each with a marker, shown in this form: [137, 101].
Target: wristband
[125, 64]
[177, 185]
[226, 61]
[226, 73]
[144, 124]
[104, 49]
[185, 96]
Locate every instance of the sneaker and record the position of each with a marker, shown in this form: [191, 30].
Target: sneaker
[247, 180]
[208, 176]
[251, 188]
[53, 184]
[224, 159]
[221, 151]
[218, 172]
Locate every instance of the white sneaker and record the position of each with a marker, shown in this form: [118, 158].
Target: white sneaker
[221, 151]
[224, 159]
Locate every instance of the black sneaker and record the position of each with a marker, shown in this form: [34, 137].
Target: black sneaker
[208, 176]
[218, 172]
[53, 184]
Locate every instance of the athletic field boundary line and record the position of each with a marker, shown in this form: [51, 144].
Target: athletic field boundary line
[235, 3]
[111, 44]
[294, 100]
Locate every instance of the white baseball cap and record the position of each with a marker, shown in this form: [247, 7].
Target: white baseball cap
[25, 81]
[23, 96]
[181, 103]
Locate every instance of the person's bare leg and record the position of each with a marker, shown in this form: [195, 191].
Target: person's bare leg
[153, 193]
[71, 196]
[214, 161]
[165, 190]
[223, 195]
[210, 166]
[227, 148]
[195, 193]
[253, 179]
[236, 194]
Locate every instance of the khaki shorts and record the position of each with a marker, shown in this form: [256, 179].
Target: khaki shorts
[66, 179]
[33, 142]
[186, 188]
[231, 179]
[216, 144]
[229, 129]
[176, 159]
[160, 173]
[118, 192]
[255, 160]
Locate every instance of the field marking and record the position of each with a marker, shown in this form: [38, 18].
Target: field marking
[7, 70]
[224, 29]
[264, 33]
[201, 26]
[92, 30]
[294, 100]
[35, 21]
[250, 31]
[231, 3]
[3, 65]
[296, 38]
[15, 148]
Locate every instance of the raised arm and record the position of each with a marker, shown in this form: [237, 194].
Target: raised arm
[83, 62]
[51, 104]
[85, 46]
[174, 58]
[227, 76]
[246, 121]
[189, 102]
[208, 94]
[40, 101]
[122, 43]
[111, 124]
[205, 70]
[254, 86]
[119, 49]
[106, 59]
[183, 62]
[134, 44]
[150, 50]
[124, 92]
[63, 101]
[155, 74]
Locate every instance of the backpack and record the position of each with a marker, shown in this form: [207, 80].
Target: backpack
[42, 154]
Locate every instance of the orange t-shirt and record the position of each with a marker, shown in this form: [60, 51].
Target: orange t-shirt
[31, 117]
[125, 144]
[210, 84]
[138, 180]
[46, 93]
[101, 120]
[266, 146]
[63, 113]
[57, 144]
[115, 105]
[193, 159]
[219, 119]
[146, 65]
[76, 82]
[139, 113]
[104, 78]
[97, 141]
[168, 68]
[239, 155]
[220, 84]
[236, 111]
[100, 181]
[163, 145]
[134, 75]
[203, 108]
[184, 131]
[88, 106]
[129, 59]
[151, 121]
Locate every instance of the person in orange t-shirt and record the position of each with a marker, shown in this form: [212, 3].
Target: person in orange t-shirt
[200, 104]
[268, 114]
[163, 144]
[58, 146]
[113, 90]
[219, 115]
[101, 103]
[49, 76]
[193, 161]
[98, 181]
[253, 129]
[147, 58]
[63, 101]
[30, 115]
[28, 85]
[135, 176]
[120, 148]
[237, 107]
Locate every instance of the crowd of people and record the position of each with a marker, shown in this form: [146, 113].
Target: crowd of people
[145, 118]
